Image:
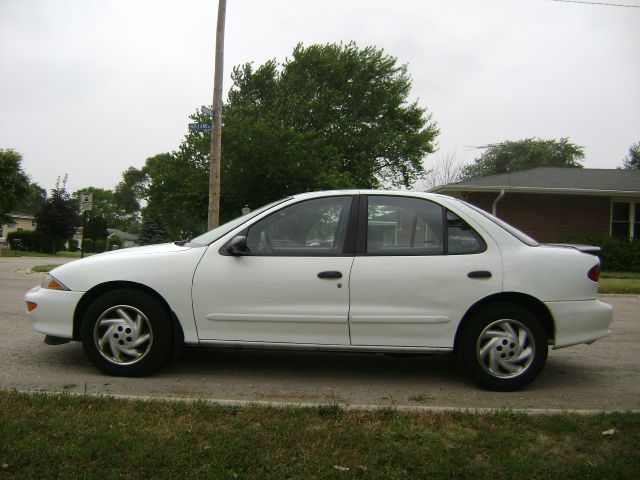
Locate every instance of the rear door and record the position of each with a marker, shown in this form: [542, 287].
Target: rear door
[418, 268]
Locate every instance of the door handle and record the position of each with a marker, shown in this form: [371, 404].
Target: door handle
[479, 274]
[330, 274]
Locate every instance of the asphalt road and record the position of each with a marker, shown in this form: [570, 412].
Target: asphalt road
[602, 376]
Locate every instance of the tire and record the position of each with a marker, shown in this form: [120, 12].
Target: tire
[503, 347]
[127, 333]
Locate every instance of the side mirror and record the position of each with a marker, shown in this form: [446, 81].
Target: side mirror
[238, 246]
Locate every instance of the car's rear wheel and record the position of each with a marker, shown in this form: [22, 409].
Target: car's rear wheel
[503, 347]
[127, 333]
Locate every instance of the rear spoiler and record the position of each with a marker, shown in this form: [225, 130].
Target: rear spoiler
[592, 249]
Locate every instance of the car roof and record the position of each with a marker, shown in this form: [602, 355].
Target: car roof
[405, 193]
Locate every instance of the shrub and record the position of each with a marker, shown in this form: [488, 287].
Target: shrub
[99, 245]
[617, 254]
[112, 241]
[28, 240]
[87, 245]
[73, 245]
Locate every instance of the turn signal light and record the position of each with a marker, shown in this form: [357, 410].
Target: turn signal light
[31, 306]
[50, 282]
[594, 273]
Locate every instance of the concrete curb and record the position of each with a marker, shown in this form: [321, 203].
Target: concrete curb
[344, 406]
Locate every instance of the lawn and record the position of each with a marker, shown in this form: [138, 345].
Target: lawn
[619, 282]
[5, 252]
[64, 436]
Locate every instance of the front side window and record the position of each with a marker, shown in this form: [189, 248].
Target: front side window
[312, 227]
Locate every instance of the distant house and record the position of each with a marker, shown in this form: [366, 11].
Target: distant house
[19, 221]
[552, 204]
[128, 239]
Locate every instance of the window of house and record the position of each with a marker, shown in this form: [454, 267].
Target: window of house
[625, 219]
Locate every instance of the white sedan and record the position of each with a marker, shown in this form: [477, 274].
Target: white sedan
[357, 271]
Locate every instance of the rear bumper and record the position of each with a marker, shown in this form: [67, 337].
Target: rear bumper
[582, 321]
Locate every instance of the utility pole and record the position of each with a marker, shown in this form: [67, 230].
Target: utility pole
[216, 122]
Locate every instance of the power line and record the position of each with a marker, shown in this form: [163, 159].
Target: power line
[596, 3]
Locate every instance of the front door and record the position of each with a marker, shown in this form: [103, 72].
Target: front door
[292, 286]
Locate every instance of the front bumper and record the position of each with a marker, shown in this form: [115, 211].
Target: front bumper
[54, 313]
[581, 321]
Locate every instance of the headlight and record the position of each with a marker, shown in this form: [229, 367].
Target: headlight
[50, 282]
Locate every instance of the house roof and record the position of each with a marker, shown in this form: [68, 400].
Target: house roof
[24, 216]
[125, 236]
[583, 181]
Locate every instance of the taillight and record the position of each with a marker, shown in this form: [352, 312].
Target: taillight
[594, 273]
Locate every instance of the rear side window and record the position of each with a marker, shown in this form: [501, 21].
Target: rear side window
[414, 226]
[461, 238]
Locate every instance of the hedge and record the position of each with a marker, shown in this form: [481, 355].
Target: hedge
[99, 245]
[87, 245]
[112, 241]
[29, 240]
[617, 254]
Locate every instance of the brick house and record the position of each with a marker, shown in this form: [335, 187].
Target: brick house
[552, 204]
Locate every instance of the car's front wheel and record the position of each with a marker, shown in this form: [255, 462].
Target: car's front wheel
[503, 347]
[127, 333]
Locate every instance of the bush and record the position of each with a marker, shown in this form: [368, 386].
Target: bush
[99, 245]
[73, 245]
[87, 245]
[112, 241]
[617, 254]
[28, 240]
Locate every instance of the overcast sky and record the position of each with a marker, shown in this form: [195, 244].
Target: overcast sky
[92, 87]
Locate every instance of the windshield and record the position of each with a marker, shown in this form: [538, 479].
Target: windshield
[216, 233]
[523, 237]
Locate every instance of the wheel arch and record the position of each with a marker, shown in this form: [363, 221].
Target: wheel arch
[95, 292]
[538, 308]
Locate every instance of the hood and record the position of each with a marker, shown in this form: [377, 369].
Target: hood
[144, 250]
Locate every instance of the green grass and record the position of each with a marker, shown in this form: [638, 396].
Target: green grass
[619, 285]
[43, 268]
[620, 275]
[68, 436]
[619, 282]
[5, 252]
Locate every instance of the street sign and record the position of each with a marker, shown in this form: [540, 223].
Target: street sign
[199, 127]
[206, 111]
[86, 201]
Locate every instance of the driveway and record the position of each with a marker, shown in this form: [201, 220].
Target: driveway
[602, 376]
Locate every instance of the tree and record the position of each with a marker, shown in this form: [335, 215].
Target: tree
[511, 156]
[445, 170]
[14, 183]
[57, 219]
[153, 231]
[332, 116]
[632, 160]
[96, 228]
[110, 206]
